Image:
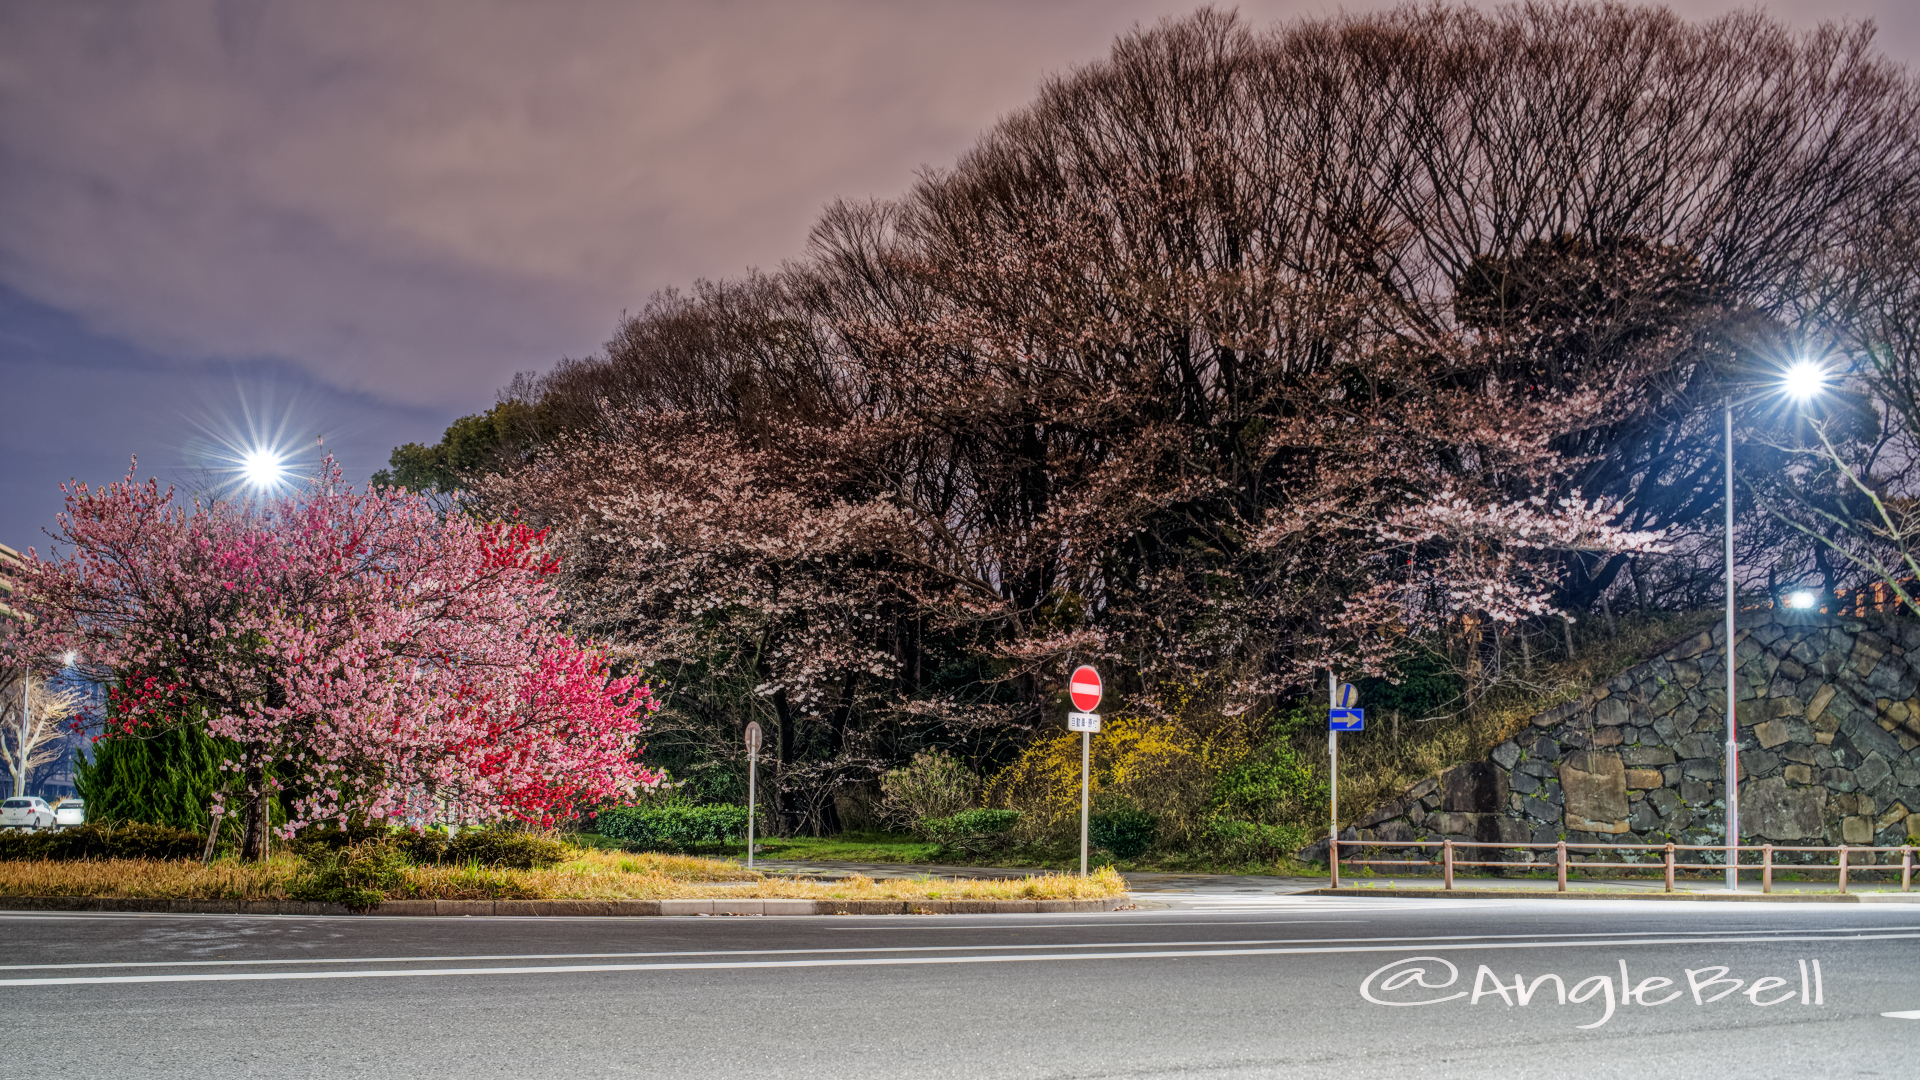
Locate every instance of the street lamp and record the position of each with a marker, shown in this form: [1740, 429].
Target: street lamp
[26, 711]
[1801, 382]
[263, 468]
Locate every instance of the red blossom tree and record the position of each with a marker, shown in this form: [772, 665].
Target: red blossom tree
[364, 653]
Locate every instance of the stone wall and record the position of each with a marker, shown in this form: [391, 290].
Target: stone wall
[1829, 749]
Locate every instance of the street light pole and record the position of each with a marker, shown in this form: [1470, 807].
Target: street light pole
[26, 711]
[1802, 381]
[1733, 749]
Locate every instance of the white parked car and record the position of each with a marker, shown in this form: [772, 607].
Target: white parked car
[69, 812]
[27, 813]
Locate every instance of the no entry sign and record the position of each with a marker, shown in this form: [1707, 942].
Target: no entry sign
[1084, 688]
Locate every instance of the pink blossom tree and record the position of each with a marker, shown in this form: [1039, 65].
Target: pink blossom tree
[363, 652]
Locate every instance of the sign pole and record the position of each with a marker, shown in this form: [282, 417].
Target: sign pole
[1333, 784]
[753, 769]
[1086, 756]
[1085, 690]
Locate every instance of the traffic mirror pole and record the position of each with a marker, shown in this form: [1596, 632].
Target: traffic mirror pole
[1333, 784]
[753, 769]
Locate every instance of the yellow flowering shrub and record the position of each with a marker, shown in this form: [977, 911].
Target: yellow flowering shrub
[1167, 768]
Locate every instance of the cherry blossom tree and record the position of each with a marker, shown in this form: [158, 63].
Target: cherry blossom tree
[749, 572]
[361, 650]
[1237, 354]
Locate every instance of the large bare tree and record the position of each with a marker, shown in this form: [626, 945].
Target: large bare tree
[1226, 331]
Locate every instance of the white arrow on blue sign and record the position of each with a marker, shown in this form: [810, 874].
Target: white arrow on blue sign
[1346, 719]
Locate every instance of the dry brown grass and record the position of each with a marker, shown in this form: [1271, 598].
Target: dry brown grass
[593, 875]
[150, 879]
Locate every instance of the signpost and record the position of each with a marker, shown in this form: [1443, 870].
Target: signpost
[753, 762]
[1341, 716]
[1084, 687]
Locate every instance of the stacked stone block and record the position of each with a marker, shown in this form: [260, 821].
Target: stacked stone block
[1829, 749]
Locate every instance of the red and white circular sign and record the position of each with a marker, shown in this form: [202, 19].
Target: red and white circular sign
[1084, 688]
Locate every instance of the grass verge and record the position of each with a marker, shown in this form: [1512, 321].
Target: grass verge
[592, 875]
[1059, 855]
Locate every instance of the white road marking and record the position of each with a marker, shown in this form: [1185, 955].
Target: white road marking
[1911, 1014]
[1155, 917]
[900, 961]
[1702, 937]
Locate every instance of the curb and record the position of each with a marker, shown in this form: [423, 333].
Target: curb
[567, 908]
[1594, 894]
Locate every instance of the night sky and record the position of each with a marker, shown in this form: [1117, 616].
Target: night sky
[232, 224]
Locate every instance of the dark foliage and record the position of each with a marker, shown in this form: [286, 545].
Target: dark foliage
[972, 831]
[358, 876]
[1126, 833]
[674, 828]
[130, 840]
[166, 778]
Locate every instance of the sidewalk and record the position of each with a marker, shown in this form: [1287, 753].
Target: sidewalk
[1640, 888]
[1208, 890]
[1139, 883]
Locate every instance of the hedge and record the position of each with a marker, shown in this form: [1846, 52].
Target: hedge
[674, 828]
[133, 840]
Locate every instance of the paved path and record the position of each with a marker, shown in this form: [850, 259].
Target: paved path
[1173, 890]
[1231, 985]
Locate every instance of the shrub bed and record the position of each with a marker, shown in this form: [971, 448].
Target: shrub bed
[674, 828]
[130, 840]
[1127, 833]
[972, 831]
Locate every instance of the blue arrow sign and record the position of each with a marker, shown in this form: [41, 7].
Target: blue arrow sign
[1346, 719]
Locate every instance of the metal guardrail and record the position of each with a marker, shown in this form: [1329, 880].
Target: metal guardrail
[1447, 860]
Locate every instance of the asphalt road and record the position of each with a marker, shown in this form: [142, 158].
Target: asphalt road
[1219, 986]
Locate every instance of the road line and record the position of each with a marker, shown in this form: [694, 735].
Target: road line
[1703, 937]
[897, 961]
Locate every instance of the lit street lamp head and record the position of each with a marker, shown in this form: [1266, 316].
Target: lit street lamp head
[1800, 599]
[1804, 380]
[263, 468]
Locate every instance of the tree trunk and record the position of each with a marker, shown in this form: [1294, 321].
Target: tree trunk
[253, 846]
[791, 812]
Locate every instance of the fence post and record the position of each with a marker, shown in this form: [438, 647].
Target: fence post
[1560, 864]
[1333, 859]
[1906, 868]
[1446, 859]
[1843, 869]
[213, 834]
[1766, 868]
[1669, 866]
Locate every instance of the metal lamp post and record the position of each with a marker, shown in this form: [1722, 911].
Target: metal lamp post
[1802, 381]
[26, 712]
